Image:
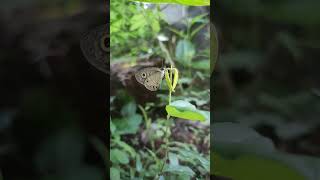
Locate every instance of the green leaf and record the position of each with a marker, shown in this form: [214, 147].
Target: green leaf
[179, 33]
[195, 31]
[138, 163]
[126, 147]
[155, 26]
[114, 174]
[168, 80]
[175, 79]
[202, 64]
[129, 109]
[112, 127]
[238, 147]
[193, 157]
[182, 2]
[118, 156]
[185, 110]
[173, 158]
[138, 21]
[256, 165]
[179, 170]
[199, 18]
[129, 125]
[185, 51]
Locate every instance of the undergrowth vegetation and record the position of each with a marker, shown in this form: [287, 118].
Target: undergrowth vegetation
[167, 137]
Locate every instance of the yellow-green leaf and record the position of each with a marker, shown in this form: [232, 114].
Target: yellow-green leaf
[185, 110]
[168, 80]
[175, 79]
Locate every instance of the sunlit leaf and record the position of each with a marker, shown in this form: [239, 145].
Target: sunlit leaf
[185, 110]
[175, 78]
[168, 80]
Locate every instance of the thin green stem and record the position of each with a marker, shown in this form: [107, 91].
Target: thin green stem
[145, 117]
[167, 127]
[165, 50]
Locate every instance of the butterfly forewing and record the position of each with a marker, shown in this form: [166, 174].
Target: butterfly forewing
[150, 77]
[142, 74]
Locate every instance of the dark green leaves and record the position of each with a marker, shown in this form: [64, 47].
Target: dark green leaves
[238, 147]
[130, 122]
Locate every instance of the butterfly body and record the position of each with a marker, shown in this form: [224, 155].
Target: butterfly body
[150, 77]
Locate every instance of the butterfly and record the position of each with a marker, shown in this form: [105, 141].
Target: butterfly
[150, 77]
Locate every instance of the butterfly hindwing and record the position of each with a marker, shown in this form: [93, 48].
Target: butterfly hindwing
[153, 81]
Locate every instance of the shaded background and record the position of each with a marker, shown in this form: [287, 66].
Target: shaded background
[52, 101]
[268, 73]
[267, 80]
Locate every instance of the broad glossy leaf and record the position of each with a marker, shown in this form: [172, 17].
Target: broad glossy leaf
[185, 110]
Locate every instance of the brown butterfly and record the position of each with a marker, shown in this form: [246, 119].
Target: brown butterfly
[150, 77]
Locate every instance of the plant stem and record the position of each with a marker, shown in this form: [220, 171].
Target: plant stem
[167, 127]
[145, 117]
[169, 98]
[165, 50]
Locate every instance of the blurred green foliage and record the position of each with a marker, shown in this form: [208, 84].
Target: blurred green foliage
[133, 28]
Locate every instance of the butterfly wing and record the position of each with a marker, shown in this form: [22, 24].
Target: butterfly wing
[143, 74]
[94, 45]
[153, 82]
